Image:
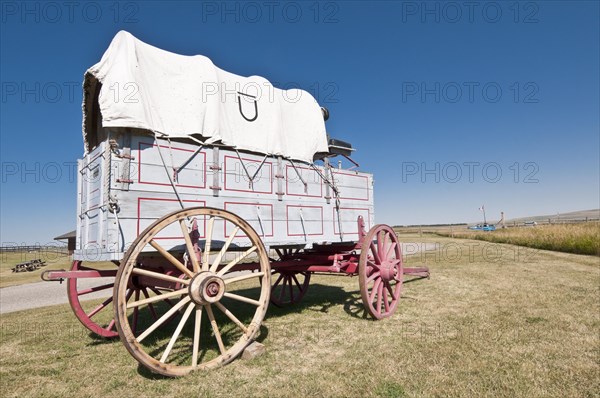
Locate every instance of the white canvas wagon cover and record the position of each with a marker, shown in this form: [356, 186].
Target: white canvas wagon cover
[144, 87]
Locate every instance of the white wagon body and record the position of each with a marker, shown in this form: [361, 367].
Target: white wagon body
[277, 203]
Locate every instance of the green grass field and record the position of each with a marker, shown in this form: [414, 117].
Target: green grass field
[494, 320]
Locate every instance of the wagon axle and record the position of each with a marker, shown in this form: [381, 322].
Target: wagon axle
[206, 287]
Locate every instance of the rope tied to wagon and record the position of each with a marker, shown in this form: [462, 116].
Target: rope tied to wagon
[299, 176]
[335, 190]
[162, 159]
[250, 178]
[327, 181]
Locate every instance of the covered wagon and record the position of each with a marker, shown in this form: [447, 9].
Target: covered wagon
[213, 195]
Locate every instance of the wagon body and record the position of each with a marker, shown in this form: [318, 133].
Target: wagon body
[288, 203]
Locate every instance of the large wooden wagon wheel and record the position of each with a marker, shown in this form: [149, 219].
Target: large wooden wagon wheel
[380, 271]
[289, 287]
[232, 304]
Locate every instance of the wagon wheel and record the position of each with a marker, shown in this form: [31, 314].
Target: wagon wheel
[380, 271]
[289, 287]
[95, 317]
[209, 285]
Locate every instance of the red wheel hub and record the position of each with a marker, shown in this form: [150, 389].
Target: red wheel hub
[388, 270]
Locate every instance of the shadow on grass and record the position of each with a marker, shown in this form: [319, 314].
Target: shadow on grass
[319, 298]
[99, 340]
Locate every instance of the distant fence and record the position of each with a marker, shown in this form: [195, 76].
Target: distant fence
[32, 248]
[550, 221]
[14, 254]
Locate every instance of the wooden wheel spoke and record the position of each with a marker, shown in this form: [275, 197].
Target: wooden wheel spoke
[189, 246]
[390, 249]
[243, 277]
[386, 303]
[164, 318]
[99, 307]
[150, 306]
[279, 253]
[157, 275]
[379, 297]
[237, 260]
[297, 283]
[389, 289]
[163, 252]
[158, 297]
[380, 243]
[158, 292]
[231, 316]
[207, 243]
[215, 264]
[387, 241]
[177, 332]
[374, 290]
[242, 299]
[373, 276]
[95, 289]
[291, 289]
[277, 281]
[111, 324]
[128, 294]
[215, 328]
[282, 292]
[373, 265]
[196, 346]
[375, 254]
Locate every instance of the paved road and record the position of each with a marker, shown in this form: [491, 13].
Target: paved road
[43, 294]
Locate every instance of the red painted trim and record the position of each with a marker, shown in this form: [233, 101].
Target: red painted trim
[254, 204]
[139, 215]
[287, 220]
[140, 181]
[287, 166]
[353, 175]
[335, 223]
[249, 160]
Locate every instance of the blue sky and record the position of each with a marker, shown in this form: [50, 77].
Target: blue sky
[450, 104]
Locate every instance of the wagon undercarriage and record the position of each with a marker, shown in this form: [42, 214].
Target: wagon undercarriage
[154, 289]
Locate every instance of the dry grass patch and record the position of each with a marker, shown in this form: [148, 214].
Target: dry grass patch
[55, 259]
[581, 238]
[517, 324]
[8, 260]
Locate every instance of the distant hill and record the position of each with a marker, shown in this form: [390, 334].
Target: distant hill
[573, 215]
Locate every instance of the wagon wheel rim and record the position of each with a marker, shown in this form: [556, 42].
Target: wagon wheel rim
[289, 287]
[89, 317]
[380, 272]
[203, 299]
